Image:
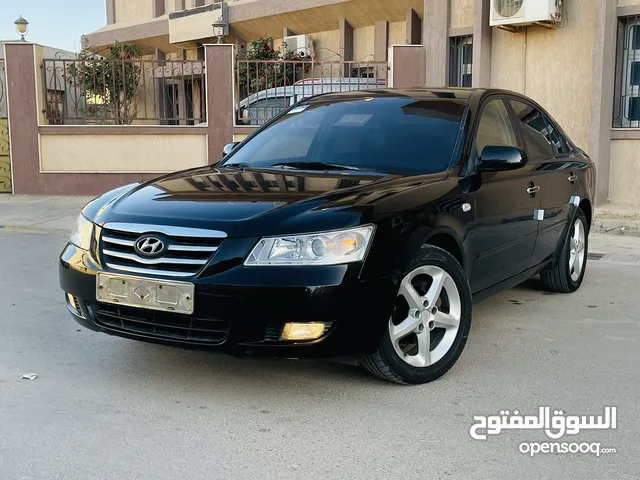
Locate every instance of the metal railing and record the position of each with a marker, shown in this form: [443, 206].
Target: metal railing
[3, 91]
[626, 106]
[123, 92]
[265, 88]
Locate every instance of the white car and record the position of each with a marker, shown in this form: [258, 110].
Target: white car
[260, 107]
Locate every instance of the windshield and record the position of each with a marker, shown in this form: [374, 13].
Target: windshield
[395, 135]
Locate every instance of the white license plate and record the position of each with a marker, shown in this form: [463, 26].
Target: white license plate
[143, 292]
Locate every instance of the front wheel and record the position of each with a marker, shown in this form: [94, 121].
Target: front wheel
[430, 322]
[567, 275]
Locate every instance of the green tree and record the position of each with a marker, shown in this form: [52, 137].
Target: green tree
[110, 82]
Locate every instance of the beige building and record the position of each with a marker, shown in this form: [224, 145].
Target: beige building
[580, 59]
[583, 68]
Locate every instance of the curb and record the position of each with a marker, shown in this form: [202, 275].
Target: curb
[14, 228]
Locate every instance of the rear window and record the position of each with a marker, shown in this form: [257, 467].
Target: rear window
[390, 134]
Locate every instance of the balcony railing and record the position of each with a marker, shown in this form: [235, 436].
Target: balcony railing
[268, 87]
[124, 92]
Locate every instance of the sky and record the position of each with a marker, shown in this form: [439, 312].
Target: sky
[54, 23]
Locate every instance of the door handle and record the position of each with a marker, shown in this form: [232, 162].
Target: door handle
[533, 190]
[572, 178]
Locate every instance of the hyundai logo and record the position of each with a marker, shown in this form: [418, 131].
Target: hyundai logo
[150, 246]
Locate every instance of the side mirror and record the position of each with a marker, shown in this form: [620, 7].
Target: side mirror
[499, 158]
[228, 148]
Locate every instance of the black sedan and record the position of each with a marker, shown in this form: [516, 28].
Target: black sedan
[360, 224]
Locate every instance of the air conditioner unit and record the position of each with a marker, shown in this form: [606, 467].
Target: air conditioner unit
[524, 12]
[299, 44]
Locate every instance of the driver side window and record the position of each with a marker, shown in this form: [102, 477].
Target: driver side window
[495, 127]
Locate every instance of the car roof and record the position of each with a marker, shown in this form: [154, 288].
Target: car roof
[421, 93]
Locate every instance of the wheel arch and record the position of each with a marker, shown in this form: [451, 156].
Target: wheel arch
[443, 237]
[448, 242]
[585, 206]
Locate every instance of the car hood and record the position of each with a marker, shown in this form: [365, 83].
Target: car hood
[254, 202]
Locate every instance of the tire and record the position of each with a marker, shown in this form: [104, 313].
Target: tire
[563, 278]
[427, 331]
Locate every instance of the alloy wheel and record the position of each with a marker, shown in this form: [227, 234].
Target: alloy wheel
[426, 317]
[577, 250]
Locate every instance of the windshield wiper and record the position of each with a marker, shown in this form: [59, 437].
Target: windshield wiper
[315, 166]
[236, 166]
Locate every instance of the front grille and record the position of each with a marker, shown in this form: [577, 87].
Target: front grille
[188, 250]
[161, 325]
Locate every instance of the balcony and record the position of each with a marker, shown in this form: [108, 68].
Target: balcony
[192, 25]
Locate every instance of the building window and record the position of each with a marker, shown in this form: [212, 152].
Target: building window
[460, 61]
[626, 112]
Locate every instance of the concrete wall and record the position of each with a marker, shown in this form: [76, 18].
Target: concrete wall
[195, 26]
[363, 43]
[461, 14]
[133, 11]
[152, 153]
[327, 45]
[170, 6]
[626, 3]
[397, 33]
[535, 61]
[625, 172]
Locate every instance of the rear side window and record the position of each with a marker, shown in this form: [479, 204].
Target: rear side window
[268, 108]
[394, 134]
[495, 127]
[541, 138]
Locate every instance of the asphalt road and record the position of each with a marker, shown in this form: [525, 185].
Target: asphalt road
[109, 408]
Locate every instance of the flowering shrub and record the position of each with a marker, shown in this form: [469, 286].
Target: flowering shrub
[266, 67]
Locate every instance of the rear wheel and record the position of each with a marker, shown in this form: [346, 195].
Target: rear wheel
[430, 322]
[567, 275]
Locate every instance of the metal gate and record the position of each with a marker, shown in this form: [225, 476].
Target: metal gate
[5, 160]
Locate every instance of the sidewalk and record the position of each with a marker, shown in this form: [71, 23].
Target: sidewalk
[617, 219]
[40, 213]
[59, 213]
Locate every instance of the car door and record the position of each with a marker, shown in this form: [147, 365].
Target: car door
[504, 229]
[554, 173]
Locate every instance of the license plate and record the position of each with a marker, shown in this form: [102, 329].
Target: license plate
[141, 292]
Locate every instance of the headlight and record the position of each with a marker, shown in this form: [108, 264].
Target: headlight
[327, 248]
[82, 233]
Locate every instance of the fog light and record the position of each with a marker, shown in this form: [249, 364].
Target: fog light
[75, 305]
[302, 331]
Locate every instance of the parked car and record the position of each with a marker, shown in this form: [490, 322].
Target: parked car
[266, 104]
[359, 224]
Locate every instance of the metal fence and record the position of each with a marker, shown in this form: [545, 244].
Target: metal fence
[5, 159]
[123, 92]
[265, 88]
[3, 91]
[626, 107]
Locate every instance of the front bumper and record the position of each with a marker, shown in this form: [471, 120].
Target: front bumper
[248, 306]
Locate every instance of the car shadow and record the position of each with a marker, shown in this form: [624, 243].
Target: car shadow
[197, 367]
